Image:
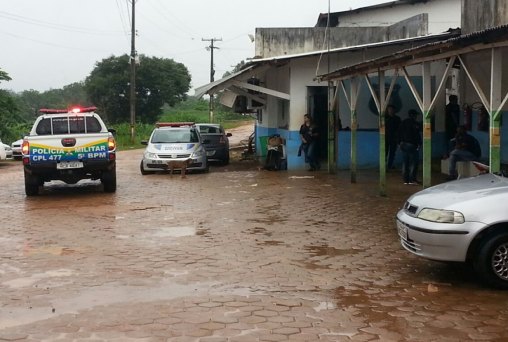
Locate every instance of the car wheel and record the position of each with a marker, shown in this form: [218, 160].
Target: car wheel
[31, 184]
[109, 180]
[142, 169]
[492, 261]
[226, 160]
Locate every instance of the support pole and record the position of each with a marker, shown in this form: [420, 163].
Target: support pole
[382, 134]
[495, 109]
[212, 71]
[354, 127]
[427, 126]
[132, 98]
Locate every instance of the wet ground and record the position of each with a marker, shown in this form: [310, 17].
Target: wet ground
[238, 254]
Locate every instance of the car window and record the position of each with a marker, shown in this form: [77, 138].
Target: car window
[209, 130]
[44, 127]
[68, 125]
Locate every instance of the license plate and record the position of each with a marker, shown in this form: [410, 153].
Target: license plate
[69, 165]
[402, 228]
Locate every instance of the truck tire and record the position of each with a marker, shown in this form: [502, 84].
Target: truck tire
[492, 261]
[109, 180]
[31, 184]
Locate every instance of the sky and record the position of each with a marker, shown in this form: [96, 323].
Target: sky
[47, 44]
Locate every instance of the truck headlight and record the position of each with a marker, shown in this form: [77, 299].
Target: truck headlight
[441, 216]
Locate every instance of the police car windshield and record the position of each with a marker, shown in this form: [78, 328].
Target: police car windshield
[163, 136]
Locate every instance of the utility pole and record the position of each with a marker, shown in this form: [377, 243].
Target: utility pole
[132, 99]
[212, 70]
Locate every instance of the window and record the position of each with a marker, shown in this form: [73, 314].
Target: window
[66, 125]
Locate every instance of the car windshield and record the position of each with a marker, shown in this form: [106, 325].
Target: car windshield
[204, 129]
[175, 136]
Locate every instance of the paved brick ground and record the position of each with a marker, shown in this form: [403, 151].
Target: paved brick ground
[237, 254]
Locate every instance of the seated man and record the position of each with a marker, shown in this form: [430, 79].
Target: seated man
[466, 148]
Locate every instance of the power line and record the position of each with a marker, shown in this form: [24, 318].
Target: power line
[53, 26]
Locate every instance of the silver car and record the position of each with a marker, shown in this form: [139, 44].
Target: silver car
[173, 143]
[16, 149]
[461, 221]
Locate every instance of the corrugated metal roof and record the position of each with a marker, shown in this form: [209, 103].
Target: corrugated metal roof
[199, 92]
[429, 52]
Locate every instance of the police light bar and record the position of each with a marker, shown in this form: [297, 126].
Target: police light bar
[174, 124]
[70, 110]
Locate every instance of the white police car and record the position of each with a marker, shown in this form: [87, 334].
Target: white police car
[174, 142]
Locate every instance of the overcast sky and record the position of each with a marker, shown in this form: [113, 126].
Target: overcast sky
[47, 44]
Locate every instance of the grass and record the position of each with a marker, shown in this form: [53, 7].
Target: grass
[192, 110]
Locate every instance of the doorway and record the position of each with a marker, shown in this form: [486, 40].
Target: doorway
[317, 107]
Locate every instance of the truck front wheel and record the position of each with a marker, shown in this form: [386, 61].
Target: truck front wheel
[109, 180]
[31, 184]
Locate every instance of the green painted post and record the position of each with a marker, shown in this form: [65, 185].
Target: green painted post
[427, 150]
[382, 154]
[354, 126]
[495, 142]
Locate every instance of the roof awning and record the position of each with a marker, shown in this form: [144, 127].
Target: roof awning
[223, 83]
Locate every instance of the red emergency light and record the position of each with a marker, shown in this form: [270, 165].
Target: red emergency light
[174, 124]
[69, 110]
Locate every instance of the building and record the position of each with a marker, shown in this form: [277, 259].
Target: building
[282, 81]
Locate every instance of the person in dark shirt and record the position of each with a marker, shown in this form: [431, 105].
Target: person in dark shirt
[466, 148]
[410, 142]
[392, 123]
[452, 117]
[309, 136]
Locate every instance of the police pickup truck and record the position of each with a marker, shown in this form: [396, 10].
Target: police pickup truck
[69, 145]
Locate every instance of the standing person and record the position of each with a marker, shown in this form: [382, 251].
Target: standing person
[309, 136]
[467, 148]
[305, 137]
[452, 117]
[410, 142]
[392, 123]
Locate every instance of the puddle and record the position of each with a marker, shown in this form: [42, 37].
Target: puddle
[259, 230]
[329, 251]
[175, 232]
[100, 296]
[271, 243]
[53, 250]
[29, 281]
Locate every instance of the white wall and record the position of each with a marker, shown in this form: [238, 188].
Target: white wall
[443, 14]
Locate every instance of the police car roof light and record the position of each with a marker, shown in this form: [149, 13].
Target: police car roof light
[174, 124]
[71, 110]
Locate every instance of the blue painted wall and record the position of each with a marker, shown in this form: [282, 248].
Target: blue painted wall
[368, 146]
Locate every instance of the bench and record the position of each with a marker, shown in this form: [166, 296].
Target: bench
[464, 168]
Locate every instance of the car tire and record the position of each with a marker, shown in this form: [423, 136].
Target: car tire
[226, 160]
[31, 184]
[492, 262]
[142, 169]
[109, 180]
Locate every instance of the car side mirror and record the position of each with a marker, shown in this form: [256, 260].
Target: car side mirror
[144, 142]
[229, 134]
[112, 131]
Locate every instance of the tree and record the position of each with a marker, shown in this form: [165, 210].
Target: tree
[159, 81]
[7, 107]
